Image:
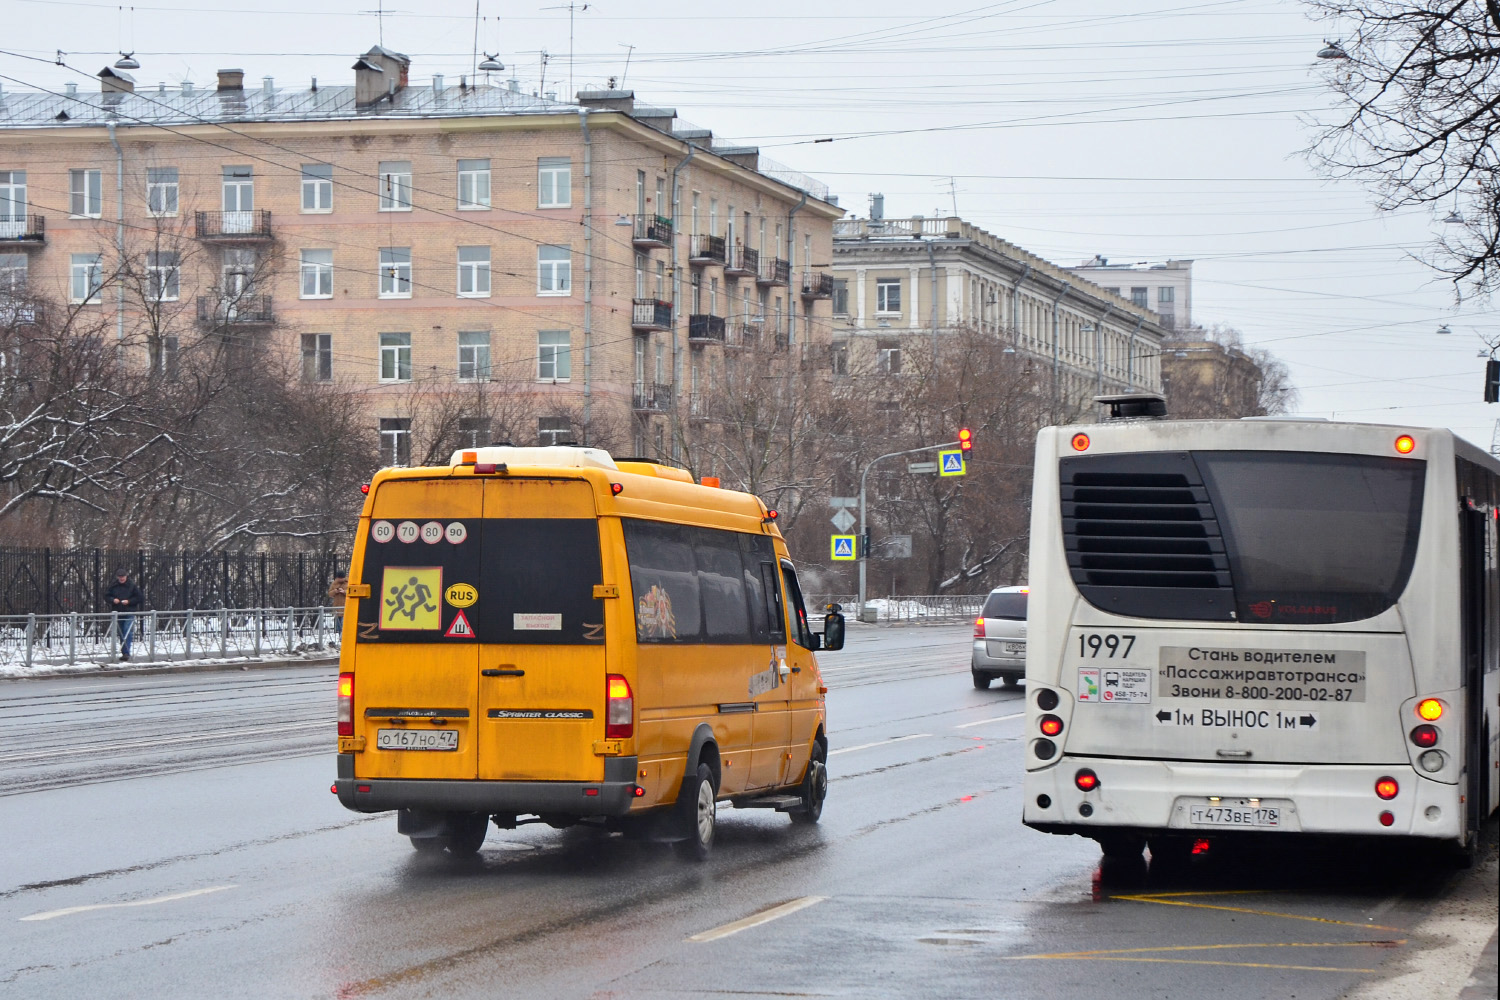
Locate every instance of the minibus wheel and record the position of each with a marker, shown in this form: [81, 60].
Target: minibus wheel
[466, 832]
[428, 845]
[699, 814]
[814, 789]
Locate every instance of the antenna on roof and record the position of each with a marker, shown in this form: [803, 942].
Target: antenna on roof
[629, 51]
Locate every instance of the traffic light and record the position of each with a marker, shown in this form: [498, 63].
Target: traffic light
[966, 442]
[1492, 381]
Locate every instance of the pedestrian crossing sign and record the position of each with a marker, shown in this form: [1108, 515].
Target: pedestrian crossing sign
[843, 547]
[951, 463]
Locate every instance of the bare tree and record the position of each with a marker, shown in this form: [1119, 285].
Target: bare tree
[1420, 91]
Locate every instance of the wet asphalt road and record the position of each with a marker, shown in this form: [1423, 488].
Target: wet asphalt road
[173, 836]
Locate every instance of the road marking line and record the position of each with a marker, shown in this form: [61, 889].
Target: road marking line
[998, 718]
[755, 920]
[879, 743]
[68, 911]
[1218, 947]
[1162, 900]
[1237, 965]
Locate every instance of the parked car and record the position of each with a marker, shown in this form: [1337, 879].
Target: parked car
[1000, 638]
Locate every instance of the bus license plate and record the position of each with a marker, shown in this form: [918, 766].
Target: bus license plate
[1234, 814]
[417, 739]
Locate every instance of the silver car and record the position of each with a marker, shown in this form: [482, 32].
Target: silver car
[1000, 638]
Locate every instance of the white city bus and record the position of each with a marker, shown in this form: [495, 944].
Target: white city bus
[1261, 627]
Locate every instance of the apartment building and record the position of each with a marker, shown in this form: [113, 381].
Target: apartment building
[901, 285]
[450, 244]
[1165, 288]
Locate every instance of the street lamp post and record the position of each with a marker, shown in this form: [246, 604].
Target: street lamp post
[864, 523]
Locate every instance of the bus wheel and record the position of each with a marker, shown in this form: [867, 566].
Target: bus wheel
[428, 845]
[698, 812]
[1122, 847]
[981, 681]
[814, 789]
[467, 832]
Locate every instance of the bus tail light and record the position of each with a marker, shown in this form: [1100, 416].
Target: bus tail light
[1387, 788]
[1387, 818]
[1051, 725]
[346, 704]
[619, 712]
[1425, 736]
[1086, 780]
[1430, 709]
[979, 628]
[1432, 761]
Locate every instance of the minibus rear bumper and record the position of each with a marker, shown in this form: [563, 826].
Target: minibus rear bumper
[1152, 797]
[611, 797]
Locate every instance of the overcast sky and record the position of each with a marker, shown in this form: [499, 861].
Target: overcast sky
[1066, 126]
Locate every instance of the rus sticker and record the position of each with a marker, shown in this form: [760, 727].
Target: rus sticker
[537, 623]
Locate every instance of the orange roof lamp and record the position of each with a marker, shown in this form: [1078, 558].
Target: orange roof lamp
[1080, 441]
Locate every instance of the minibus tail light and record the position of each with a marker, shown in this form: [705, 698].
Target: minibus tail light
[619, 712]
[346, 704]
[1430, 709]
[979, 628]
[1387, 788]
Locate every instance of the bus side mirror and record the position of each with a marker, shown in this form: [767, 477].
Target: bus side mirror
[833, 631]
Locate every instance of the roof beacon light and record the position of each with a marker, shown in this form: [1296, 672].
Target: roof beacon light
[1080, 442]
[1406, 444]
[470, 458]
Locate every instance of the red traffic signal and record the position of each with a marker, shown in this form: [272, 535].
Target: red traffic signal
[966, 441]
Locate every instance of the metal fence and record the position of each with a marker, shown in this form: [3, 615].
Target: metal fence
[53, 581]
[906, 609]
[28, 641]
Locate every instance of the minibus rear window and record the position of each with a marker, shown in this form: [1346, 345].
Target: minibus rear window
[1012, 606]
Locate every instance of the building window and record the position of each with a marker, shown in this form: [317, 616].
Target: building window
[474, 272]
[1166, 295]
[554, 271]
[473, 432]
[164, 356]
[395, 441]
[12, 274]
[1140, 297]
[317, 187]
[317, 274]
[473, 184]
[85, 193]
[12, 203]
[317, 357]
[554, 182]
[474, 356]
[395, 272]
[888, 295]
[395, 186]
[840, 297]
[237, 273]
[87, 277]
[395, 357]
[238, 198]
[838, 358]
[888, 357]
[163, 274]
[1113, 291]
[554, 356]
[161, 191]
[553, 430]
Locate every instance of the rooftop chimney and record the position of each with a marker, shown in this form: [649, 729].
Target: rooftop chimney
[268, 85]
[231, 79]
[607, 100]
[187, 88]
[70, 89]
[437, 85]
[378, 74]
[877, 207]
[116, 81]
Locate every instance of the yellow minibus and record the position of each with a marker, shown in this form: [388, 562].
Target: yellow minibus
[548, 635]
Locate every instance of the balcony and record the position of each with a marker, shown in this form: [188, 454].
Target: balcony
[706, 250]
[741, 336]
[652, 232]
[742, 263]
[233, 227]
[650, 314]
[774, 271]
[817, 286]
[29, 233]
[651, 397]
[704, 329]
[246, 310]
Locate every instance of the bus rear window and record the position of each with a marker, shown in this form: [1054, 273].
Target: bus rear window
[1000, 605]
[1266, 537]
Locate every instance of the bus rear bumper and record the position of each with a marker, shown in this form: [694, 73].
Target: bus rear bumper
[611, 797]
[1158, 797]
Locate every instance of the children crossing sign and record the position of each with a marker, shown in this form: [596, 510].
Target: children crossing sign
[951, 463]
[843, 547]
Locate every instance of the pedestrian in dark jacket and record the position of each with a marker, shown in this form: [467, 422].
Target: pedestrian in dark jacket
[125, 599]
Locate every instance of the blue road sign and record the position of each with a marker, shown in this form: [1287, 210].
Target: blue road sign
[951, 463]
[843, 547]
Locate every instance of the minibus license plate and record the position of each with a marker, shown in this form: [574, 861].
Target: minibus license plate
[417, 739]
[1015, 647]
[1237, 813]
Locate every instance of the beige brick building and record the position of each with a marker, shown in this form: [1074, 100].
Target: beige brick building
[522, 267]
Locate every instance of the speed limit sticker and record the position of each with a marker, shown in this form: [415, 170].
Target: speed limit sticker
[382, 531]
[456, 532]
[432, 532]
[408, 531]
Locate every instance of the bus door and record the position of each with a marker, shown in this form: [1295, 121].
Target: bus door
[415, 689]
[772, 721]
[538, 633]
[803, 681]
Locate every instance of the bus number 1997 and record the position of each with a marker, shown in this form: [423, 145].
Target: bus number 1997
[1089, 646]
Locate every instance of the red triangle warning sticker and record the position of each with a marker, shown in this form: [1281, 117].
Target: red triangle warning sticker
[460, 629]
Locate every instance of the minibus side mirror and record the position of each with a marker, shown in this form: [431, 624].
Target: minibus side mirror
[833, 631]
